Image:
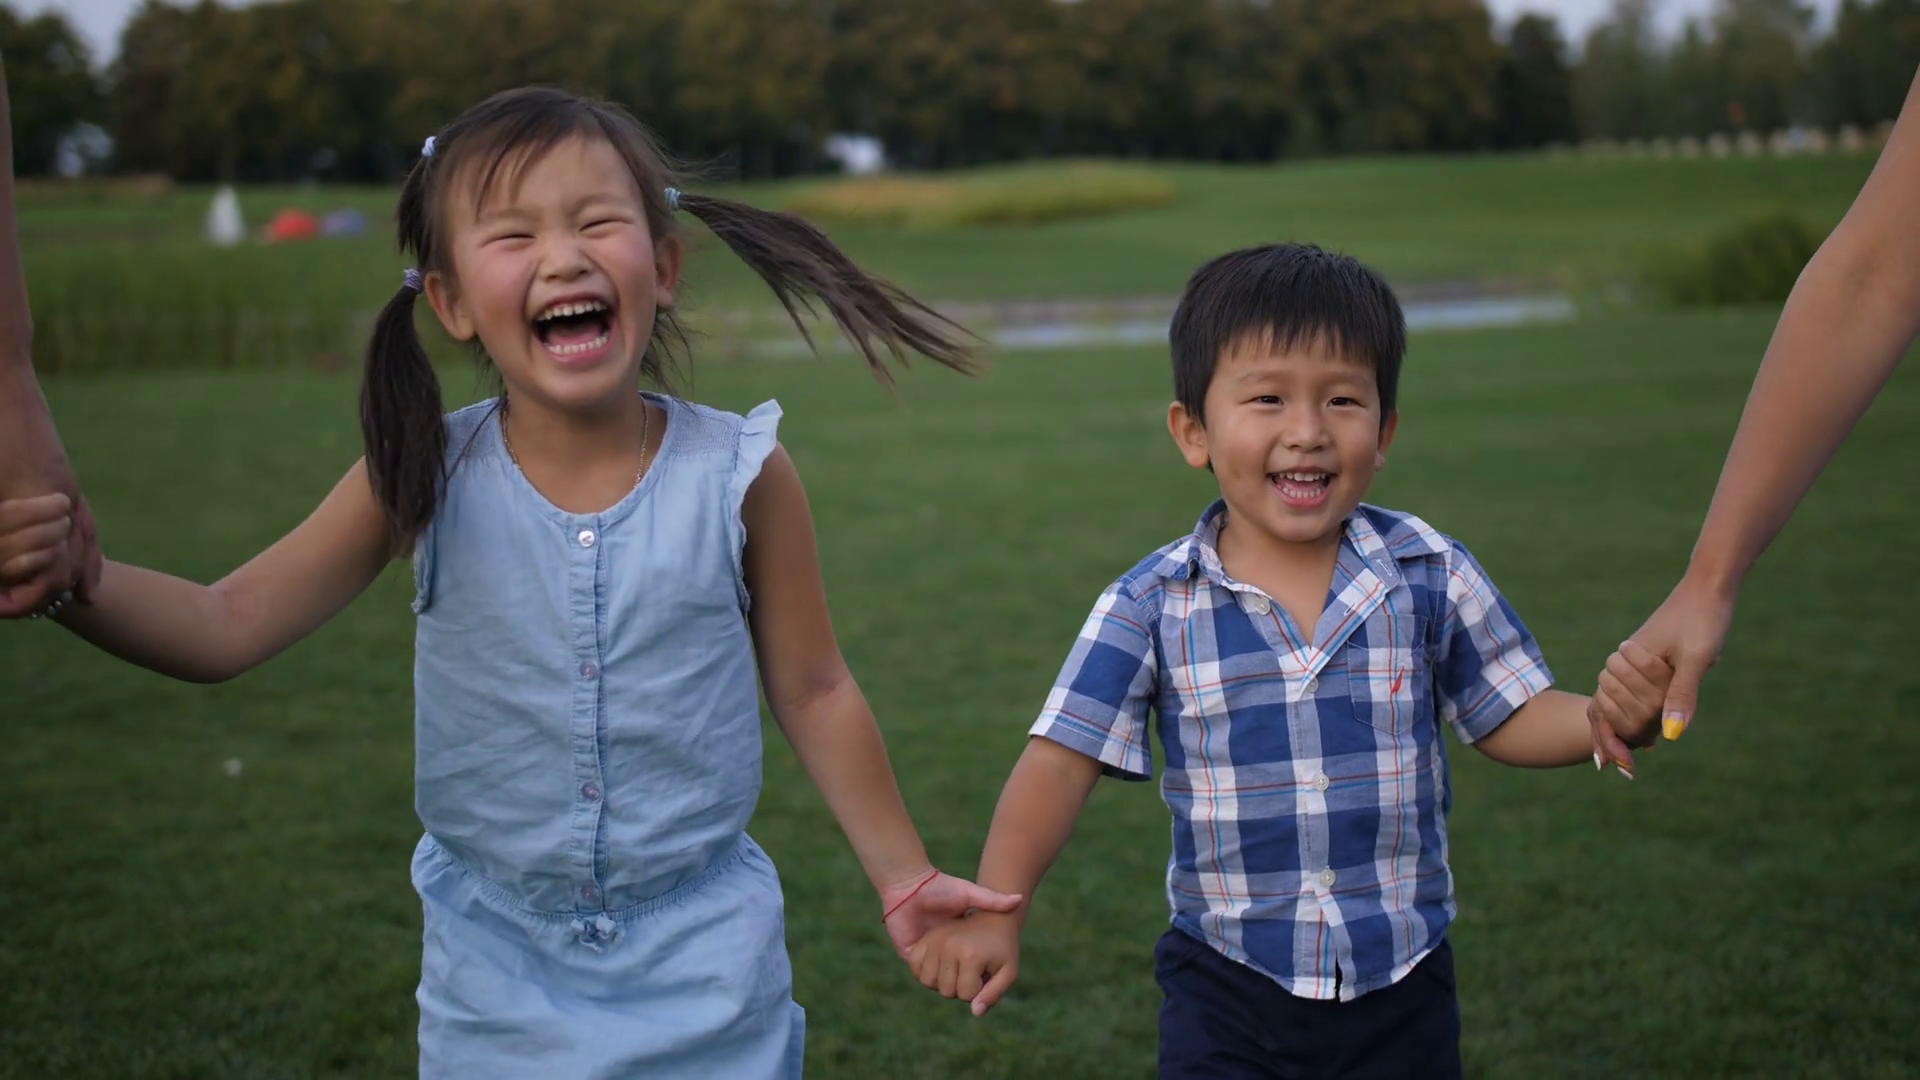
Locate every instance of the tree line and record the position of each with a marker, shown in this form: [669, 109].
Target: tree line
[346, 89]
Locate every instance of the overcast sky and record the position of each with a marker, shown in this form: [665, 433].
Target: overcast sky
[100, 20]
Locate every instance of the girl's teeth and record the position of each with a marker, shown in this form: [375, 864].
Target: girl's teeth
[561, 311]
[584, 346]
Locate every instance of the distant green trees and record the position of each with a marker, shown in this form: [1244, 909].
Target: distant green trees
[1751, 65]
[50, 85]
[345, 89]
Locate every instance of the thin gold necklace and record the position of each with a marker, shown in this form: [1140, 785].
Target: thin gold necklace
[646, 425]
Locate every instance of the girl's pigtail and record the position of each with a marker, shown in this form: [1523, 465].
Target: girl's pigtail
[801, 264]
[401, 421]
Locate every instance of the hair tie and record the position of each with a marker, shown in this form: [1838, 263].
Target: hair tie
[673, 199]
[411, 282]
[426, 149]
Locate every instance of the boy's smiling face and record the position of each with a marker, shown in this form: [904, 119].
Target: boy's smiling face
[1294, 436]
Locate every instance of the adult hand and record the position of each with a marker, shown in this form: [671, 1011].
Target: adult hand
[33, 463]
[1688, 631]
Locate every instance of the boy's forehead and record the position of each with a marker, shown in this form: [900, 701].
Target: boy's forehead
[1257, 351]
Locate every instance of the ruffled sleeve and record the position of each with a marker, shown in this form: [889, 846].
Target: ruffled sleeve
[759, 434]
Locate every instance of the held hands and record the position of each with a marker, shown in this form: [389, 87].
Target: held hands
[35, 538]
[1625, 710]
[1671, 653]
[976, 959]
[71, 564]
[1688, 632]
[930, 899]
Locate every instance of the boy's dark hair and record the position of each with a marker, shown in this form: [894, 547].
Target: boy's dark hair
[1292, 295]
[401, 416]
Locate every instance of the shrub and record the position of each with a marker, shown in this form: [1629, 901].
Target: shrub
[1755, 261]
[1019, 196]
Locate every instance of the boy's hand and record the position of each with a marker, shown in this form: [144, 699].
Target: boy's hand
[916, 906]
[33, 538]
[1626, 708]
[976, 958]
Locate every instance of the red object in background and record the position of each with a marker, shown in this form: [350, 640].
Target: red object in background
[292, 225]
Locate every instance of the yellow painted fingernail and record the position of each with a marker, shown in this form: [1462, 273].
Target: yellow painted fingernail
[1673, 725]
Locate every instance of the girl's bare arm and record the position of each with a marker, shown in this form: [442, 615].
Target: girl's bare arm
[211, 633]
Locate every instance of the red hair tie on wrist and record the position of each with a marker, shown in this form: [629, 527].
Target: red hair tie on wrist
[931, 874]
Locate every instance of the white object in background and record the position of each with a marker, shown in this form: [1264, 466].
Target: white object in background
[860, 155]
[225, 227]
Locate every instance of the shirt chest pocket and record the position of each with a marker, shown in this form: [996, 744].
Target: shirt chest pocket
[1390, 673]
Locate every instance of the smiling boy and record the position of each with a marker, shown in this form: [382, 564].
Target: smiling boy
[1298, 653]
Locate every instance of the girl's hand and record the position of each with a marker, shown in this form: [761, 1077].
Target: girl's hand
[33, 539]
[930, 898]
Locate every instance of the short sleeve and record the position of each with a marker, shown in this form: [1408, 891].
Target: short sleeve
[464, 426]
[759, 434]
[1489, 664]
[1099, 704]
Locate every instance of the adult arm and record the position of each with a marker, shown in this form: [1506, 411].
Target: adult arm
[32, 461]
[1851, 317]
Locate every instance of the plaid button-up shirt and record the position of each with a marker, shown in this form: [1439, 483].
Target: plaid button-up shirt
[1308, 781]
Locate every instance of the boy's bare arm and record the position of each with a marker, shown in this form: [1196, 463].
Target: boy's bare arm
[978, 958]
[1035, 817]
[1548, 732]
[1555, 728]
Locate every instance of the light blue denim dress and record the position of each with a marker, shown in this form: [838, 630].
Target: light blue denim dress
[588, 755]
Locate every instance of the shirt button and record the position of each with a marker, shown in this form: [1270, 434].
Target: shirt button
[586, 538]
[590, 894]
[1313, 685]
[1326, 878]
[1262, 605]
[592, 792]
[587, 671]
[1321, 783]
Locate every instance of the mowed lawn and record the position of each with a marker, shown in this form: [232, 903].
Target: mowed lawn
[1747, 907]
[122, 280]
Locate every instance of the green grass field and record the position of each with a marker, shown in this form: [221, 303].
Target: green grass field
[1747, 907]
[124, 282]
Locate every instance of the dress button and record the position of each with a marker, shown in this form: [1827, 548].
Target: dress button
[587, 671]
[1326, 877]
[1321, 783]
[592, 792]
[586, 538]
[590, 894]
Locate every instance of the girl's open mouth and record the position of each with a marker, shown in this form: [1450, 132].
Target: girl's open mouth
[574, 328]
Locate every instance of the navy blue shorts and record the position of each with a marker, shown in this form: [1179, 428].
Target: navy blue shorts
[1223, 1019]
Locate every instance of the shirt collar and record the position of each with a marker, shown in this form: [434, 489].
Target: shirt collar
[1371, 535]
